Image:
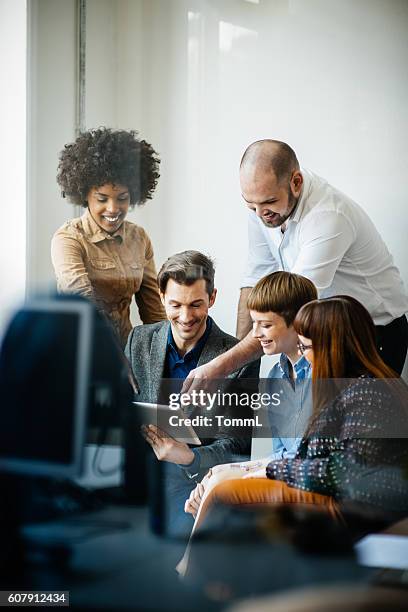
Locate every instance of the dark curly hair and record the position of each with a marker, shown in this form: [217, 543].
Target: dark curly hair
[105, 156]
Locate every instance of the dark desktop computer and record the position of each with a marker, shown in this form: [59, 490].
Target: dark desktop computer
[45, 367]
[64, 382]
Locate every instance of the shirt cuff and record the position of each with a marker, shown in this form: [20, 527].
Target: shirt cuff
[192, 469]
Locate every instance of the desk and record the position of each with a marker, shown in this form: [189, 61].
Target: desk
[125, 566]
[133, 569]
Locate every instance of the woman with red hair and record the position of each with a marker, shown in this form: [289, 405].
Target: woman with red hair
[358, 429]
[355, 448]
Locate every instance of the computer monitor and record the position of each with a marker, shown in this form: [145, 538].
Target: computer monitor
[45, 368]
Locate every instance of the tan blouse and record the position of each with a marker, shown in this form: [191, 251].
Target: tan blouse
[109, 269]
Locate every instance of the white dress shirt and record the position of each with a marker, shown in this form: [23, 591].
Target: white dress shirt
[333, 242]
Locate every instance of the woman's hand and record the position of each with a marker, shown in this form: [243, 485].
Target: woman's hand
[196, 496]
[245, 469]
[217, 469]
[261, 473]
[242, 466]
[193, 503]
[203, 377]
[256, 469]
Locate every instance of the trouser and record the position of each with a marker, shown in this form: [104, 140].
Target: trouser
[176, 490]
[257, 493]
[392, 343]
[253, 492]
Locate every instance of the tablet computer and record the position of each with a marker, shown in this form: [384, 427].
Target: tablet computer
[171, 421]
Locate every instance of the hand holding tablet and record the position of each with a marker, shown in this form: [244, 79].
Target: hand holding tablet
[170, 422]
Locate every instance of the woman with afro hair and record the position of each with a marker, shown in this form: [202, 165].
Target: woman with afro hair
[100, 255]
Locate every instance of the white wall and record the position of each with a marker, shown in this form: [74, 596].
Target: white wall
[51, 98]
[201, 79]
[13, 26]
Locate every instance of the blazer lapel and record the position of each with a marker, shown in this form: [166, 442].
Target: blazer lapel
[213, 347]
[157, 359]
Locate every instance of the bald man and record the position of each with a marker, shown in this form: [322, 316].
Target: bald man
[300, 223]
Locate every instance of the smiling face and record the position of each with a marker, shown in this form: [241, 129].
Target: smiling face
[187, 310]
[274, 335]
[273, 202]
[109, 205]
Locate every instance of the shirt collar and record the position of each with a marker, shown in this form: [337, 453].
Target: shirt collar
[196, 350]
[307, 182]
[300, 365]
[96, 233]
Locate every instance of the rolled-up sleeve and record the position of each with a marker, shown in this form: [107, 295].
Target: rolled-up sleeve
[67, 256]
[260, 260]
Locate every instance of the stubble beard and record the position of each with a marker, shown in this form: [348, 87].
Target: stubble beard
[280, 219]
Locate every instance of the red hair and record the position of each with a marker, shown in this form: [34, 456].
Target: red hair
[343, 338]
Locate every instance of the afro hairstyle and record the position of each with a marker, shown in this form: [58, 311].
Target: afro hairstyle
[104, 156]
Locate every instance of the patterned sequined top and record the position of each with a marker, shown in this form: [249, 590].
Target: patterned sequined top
[356, 450]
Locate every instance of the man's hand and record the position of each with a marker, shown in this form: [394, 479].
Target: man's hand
[167, 448]
[219, 368]
[203, 376]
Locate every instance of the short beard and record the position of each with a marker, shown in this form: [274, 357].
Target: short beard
[280, 219]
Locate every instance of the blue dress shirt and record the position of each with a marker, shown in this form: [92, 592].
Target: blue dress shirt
[288, 421]
[180, 367]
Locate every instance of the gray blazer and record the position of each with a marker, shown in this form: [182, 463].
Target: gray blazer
[146, 352]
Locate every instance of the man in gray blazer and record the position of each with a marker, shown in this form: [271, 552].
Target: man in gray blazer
[170, 350]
